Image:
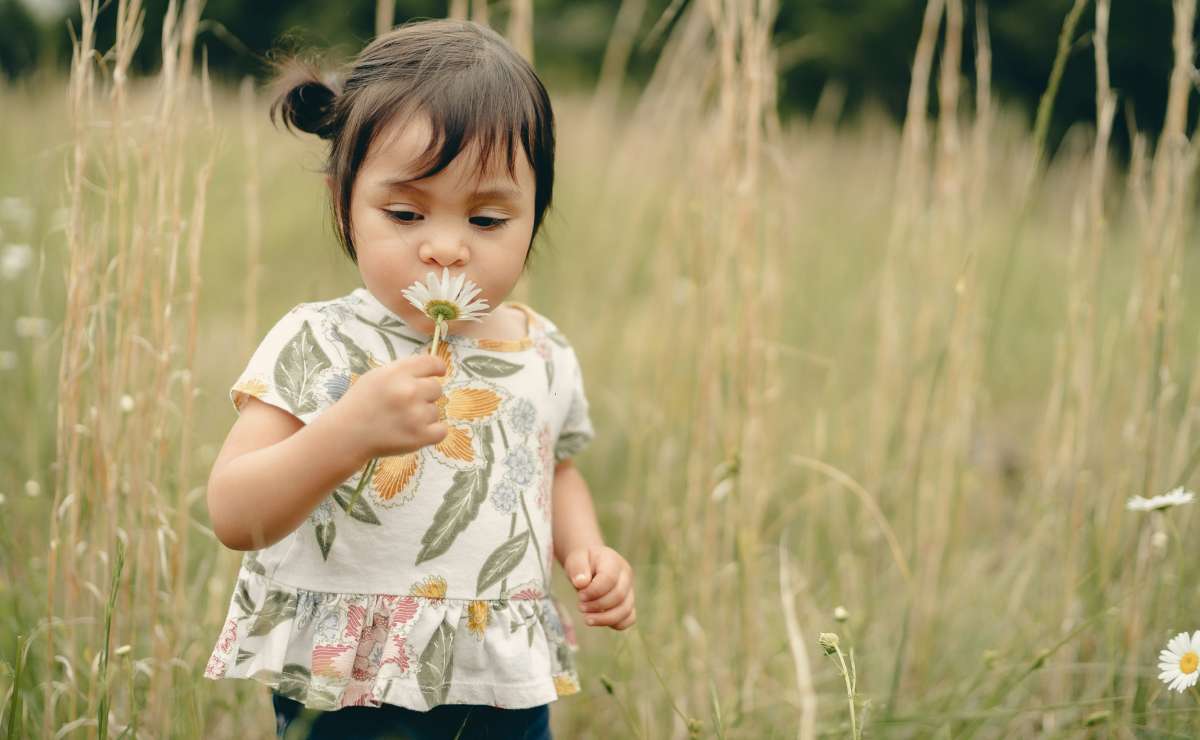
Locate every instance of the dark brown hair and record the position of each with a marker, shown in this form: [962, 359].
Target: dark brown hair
[473, 86]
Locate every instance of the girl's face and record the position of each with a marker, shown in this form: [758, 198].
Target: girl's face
[405, 228]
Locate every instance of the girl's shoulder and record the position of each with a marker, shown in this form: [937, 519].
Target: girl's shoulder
[541, 325]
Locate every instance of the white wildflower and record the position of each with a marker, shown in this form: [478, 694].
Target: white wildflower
[1178, 663]
[447, 298]
[30, 327]
[32, 488]
[8, 359]
[127, 403]
[14, 259]
[1175, 497]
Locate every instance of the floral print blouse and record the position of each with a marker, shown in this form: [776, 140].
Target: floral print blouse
[434, 587]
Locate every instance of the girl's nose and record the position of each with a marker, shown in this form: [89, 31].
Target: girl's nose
[445, 250]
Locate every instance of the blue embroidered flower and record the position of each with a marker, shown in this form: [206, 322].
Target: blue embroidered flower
[504, 496]
[521, 464]
[523, 416]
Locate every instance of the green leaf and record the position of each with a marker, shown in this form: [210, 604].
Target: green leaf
[502, 561]
[242, 598]
[530, 633]
[487, 439]
[251, 563]
[490, 367]
[242, 656]
[359, 359]
[278, 606]
[459, 508]
[293, 681]
[436, 666]
[297, 368]
[362, 510]
[326, 532]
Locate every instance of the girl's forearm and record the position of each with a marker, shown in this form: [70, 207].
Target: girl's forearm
[574, 523]
[260, 497]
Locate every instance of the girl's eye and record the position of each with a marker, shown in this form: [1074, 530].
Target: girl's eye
[405, 217]
[488, 222]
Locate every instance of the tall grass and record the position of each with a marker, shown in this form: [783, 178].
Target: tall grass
[913, 370]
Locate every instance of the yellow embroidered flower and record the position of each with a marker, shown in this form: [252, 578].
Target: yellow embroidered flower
[458, 406]
[477, 617]
[565, 685]
[432, 587]
[249, 387]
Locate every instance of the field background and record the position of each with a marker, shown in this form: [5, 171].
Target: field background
[913, 368]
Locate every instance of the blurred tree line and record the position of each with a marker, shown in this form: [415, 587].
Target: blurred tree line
[853, 50]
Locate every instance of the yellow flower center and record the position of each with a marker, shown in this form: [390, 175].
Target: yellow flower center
[1187, 664]
[441, 309]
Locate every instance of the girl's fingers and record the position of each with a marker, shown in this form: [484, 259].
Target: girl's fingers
[627, 621]
[610, 598]
[602, 583]
[613, 616]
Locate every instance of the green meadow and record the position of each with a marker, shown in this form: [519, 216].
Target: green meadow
[914, 370]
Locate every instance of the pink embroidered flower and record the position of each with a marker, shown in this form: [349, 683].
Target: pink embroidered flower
[546, 453]
[228, 637]
[216, 667]
[370, 649]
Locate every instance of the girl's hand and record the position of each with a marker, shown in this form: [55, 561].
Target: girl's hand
[605, 586]
[394, 409]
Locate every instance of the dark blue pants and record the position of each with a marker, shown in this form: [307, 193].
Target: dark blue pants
[443, 722]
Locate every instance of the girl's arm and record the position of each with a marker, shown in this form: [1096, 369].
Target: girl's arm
[273, 470]
[574, 526]
[602, 578]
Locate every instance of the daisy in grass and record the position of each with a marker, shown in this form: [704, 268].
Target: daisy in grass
[1180, 661]
[444, 300]
[1176, 497]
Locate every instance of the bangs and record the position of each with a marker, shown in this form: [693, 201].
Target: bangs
[470, 117]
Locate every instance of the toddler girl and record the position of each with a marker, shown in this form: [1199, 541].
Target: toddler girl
[401, 495]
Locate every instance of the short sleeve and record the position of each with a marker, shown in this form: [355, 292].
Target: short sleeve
[576, 431]
[291, 369]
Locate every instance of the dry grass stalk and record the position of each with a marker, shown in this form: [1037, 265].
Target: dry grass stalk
[121, 368]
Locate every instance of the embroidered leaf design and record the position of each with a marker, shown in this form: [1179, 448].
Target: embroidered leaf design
[243, 599]
[242, 656]
[558, 338]
[549, 374]
[569, 444]
[490, 367]
[293, 681]
[251, 563]
[530, 633]
[459, 507]
[502, 561]
[436, 666]
[277, 607]
[359, 359]
[362, 510]
[297, 368]
[326, 532]
[487, 439]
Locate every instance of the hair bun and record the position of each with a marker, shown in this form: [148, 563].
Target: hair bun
[305, 102]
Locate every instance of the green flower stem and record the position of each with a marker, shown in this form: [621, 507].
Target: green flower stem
[851, 684]
[438, 331]
[362, 482]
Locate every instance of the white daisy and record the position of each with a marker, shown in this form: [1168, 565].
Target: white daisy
[1180, 660]
[446, 298]
[1175, 497]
